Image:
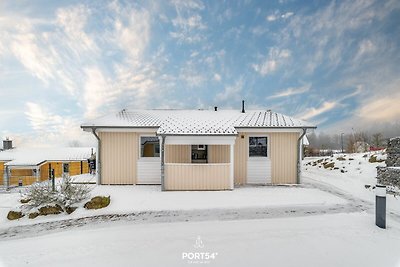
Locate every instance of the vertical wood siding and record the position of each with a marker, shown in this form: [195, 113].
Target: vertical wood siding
[218, 154]
[241, 154]
[119, 154]
[178, 154]
[197, 177]
[283, 153]
[1, 173]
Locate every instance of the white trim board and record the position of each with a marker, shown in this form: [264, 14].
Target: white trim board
[202, 140]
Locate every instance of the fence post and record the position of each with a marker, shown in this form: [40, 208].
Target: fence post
[380, 206]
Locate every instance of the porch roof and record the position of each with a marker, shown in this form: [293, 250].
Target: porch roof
[197, 122]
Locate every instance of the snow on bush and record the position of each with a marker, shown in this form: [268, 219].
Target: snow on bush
[65, 194]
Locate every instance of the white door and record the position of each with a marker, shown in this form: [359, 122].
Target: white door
[258, 161]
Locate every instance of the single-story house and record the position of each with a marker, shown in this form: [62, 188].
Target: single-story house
[29, 165]
[198, 149]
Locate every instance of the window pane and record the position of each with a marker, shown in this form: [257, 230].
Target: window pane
[150, 146]
[199, 153]
[258, 146]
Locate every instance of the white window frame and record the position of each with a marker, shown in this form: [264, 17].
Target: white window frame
[140, 148]
[268, 146]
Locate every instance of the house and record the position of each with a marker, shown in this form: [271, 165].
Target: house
[198, 149]
[29, 165]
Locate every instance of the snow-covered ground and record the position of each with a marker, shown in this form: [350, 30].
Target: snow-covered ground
[128, 199]
[327, 221]
[324, 240]
[357, 173]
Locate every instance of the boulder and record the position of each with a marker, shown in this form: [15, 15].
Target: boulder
[24, 200]
[33, 215]
[329, 165]
[97, 202]
[14, 215]
[70, 210]
[47, 210]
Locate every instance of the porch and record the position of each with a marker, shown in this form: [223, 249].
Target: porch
[197, 162]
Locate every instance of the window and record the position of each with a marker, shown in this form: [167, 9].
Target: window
[150, 146]
[199, 153]
[258, 146]
[66, 167]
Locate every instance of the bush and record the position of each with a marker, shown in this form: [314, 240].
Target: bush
[66, 193]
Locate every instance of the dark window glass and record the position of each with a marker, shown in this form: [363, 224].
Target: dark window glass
[258, 146]
[150, 146]
[199, 153]
[66, 167]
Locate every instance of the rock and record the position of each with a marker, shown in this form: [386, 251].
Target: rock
[14, 215]
[47, 210]
[374, 159]
[342, 171]
[329, 165]
[367, 186]
[70, 210]
[97, 202]
[351, 159]
[336, 168]
[33, 215]
[24, 200]
[341, 158]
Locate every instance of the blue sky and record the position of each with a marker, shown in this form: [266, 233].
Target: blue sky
[334, 63]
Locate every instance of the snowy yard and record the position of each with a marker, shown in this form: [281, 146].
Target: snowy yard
[326, 221]
[128, 199]
[324, 240]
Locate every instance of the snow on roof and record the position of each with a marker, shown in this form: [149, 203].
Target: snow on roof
[36, 156]
[197, 122]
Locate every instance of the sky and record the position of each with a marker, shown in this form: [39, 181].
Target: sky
[62, 63]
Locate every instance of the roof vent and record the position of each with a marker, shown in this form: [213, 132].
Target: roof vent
[7, 144]
[243, 111]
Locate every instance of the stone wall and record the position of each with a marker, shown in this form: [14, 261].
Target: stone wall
[393, 152]
[390, 175]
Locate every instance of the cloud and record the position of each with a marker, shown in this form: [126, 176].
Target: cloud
[384, 109]
[292, 91]
[270, 63]
[277, 15]
[188, 24]
[231, 92]
[217, 77]
[313, 112]
[51, 128]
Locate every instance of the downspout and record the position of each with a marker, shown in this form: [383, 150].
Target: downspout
[98, 165]
[162, 162]
[299, 156]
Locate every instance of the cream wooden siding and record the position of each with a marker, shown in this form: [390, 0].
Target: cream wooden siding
[218, 154]
[119, 154]
[283, 153]
[178, 154]
[197, 176]
[241, 154]
[2, 173]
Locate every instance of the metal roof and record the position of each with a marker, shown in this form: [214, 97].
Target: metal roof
[197, 122]
[36, 156]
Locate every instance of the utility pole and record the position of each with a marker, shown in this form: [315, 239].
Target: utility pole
[341, 135]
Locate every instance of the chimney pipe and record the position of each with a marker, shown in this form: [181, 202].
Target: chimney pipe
[7, 144]
[215, 108]
[243, 111]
